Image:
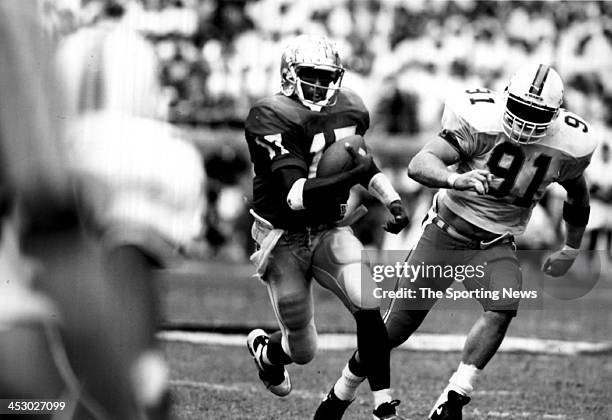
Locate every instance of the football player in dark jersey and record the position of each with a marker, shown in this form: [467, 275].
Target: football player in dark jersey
[300, 226]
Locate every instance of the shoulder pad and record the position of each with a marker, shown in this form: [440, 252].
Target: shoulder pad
[572, 135]
[480, 111]
[350, 98]
[272, 115]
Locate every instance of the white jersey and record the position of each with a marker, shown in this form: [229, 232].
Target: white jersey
[472, 124]
[144, 184]
[149, 178]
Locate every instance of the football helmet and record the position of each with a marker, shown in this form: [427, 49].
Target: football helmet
[533, 98]
[312, 70]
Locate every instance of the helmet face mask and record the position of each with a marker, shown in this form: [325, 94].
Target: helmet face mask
[311, 70]
[533, 99]
[526, 122]
[318, 84]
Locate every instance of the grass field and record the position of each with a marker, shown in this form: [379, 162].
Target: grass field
[220, 382]
[213, 382]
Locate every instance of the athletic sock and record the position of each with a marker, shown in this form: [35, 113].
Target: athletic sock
[274, 354]
[382, 396]
[464, 379]
[346, 386]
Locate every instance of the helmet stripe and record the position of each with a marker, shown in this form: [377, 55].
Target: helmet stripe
[538, 81]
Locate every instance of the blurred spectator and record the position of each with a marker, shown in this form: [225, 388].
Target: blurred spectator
[479, 42]
[599, 231]
[226, 170]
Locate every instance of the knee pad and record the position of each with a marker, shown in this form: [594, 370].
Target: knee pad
[344, 248]
[341, 259]
[358, 289]
[359, 286]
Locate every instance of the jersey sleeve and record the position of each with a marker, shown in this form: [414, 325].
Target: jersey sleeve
[273, 137]
[573, 168]
[456, 131]
[578, 142]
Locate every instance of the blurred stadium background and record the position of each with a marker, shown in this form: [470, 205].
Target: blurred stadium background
[218, 57]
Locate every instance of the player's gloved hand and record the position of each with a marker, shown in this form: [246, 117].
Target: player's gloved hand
[400, 219]
[558, 263]
[363, 161]
[475, 180]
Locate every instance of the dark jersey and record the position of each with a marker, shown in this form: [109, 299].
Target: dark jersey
[281, 132]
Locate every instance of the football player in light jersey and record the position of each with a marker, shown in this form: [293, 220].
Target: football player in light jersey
[299, 225]
[140, 190]
[507, 147]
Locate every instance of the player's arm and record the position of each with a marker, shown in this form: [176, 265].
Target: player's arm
[380, 187]
[576, 209]
[303, 192]
[430, 167]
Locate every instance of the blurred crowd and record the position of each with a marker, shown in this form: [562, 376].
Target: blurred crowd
[218, 57]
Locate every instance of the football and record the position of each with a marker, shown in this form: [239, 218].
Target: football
[336, 158]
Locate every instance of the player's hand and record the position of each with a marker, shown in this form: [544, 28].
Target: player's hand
[363, 161]
[558, 263]
[400, 219]
[475, 180]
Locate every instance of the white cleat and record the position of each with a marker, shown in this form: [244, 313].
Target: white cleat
[275, 378]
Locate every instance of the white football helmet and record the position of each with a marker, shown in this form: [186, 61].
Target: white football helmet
[311, 69]
[533, 98]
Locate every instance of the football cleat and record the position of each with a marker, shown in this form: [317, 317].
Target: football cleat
[275, 378]
[449, 409]
[386, 411]
[332, 407]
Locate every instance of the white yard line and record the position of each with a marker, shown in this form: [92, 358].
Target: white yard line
[517, 415]
[240, 387]
[421, 342]
[249, 388]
